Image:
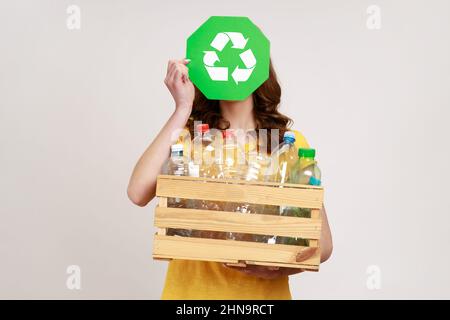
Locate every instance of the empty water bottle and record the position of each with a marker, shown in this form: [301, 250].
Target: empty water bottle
[305, 171]
[177, 166]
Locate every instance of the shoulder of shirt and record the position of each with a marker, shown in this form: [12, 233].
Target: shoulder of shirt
[300, 140]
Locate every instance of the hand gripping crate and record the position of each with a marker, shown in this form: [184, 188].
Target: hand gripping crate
[166, 247]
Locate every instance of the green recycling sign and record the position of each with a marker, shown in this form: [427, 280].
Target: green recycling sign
[229, 58]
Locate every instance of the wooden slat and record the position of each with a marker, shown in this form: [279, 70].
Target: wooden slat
[235, 222]
[162, 259]
[315, 216]
[213, 250]
[236, 181]
[167, 257]
[162, 204]
[188, 188]
[242, 264]
[162, 231]
[285, 265]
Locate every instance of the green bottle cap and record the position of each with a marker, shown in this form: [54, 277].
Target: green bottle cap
[306, 153]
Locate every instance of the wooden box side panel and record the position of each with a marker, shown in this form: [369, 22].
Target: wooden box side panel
[263, 224]
[205, 189]
[232, 251]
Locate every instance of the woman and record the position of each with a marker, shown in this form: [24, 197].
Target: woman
[210, 280]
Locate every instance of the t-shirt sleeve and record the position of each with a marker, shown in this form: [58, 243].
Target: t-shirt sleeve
[300, 140]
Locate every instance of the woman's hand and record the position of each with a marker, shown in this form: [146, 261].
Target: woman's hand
[180, 86]
[274, 272]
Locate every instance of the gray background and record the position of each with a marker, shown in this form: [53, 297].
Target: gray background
[77, 108]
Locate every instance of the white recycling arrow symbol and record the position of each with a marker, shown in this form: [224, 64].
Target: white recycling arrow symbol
[221, 73]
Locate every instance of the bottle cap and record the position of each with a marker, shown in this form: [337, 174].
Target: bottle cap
[228, 133]
[177, 148]
[202, 128]
[289, 137]
[306, 153]
[313, 181]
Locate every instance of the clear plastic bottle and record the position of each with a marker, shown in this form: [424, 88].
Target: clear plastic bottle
[305, 171]
[203, 146]
[204, 164]
[233, 158]
[255, 170]
[284, 157]
[184, 138]
[177, 166]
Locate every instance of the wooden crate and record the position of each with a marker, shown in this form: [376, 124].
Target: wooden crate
[234, 252]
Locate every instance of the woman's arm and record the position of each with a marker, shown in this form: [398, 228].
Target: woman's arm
[326, 240]
[326, 248]
[142, 185]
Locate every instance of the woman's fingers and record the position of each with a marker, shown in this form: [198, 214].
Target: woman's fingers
[177, 71]
[185, 74]
[182, 73]
[182, 67]
[273, 268]
[258, 271]
[184, 78]
[172, 66]
[170, 69]
[173, 77]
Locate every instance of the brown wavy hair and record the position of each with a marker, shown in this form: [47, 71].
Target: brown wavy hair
[266, 101]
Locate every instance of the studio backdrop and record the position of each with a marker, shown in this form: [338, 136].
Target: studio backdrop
[82, 95]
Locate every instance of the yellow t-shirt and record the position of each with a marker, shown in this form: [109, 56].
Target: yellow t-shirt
[202, 280]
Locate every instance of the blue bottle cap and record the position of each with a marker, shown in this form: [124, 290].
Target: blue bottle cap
[289, 137]
[313, 181]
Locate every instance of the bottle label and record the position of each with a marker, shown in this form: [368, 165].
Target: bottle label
[194, 170]
[177, 154]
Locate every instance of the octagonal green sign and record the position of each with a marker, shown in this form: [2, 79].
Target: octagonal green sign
[229, 58]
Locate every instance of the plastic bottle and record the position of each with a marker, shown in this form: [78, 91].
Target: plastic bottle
[255, 171]
[204, 154]
[284, 157]
[203, 147]
[204, 164]
[177, 166]
[282, 160]
[184, 138]
[233, 159]
[305, 171]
